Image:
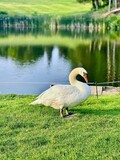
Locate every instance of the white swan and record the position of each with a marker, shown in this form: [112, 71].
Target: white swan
[64, 96]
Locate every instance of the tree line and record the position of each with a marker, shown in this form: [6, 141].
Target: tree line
[96, 4]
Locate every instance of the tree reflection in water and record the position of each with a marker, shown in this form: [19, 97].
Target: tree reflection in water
[51, 63]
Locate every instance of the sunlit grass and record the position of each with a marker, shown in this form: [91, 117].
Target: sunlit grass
[37, 132]
[54, 7]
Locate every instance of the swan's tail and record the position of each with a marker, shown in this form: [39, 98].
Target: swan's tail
[36, 102]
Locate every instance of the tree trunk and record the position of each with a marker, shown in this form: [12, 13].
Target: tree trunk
[118, 3]
[109, 5]
[95, 4]
[108, 60]
[115, 3]
[113, 60]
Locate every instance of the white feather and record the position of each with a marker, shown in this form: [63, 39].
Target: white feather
[60, 96]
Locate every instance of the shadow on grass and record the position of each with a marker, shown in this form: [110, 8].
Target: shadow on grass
[96, 111]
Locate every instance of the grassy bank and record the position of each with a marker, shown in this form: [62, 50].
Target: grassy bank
[36, 13]
[44, 13]
[56, 7]
[37, 132]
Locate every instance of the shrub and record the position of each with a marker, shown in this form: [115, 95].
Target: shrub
[110, 21]
[3, 12]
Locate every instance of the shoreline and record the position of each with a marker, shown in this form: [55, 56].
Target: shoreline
[104, 90]
[95, 91]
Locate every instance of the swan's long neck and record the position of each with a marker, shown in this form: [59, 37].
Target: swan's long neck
[74, 82]
[72, 77]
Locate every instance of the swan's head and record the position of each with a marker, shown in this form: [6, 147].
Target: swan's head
[79, 74]
[84, 74]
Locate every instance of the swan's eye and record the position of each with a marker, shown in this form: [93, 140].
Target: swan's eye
[80, 78]
[85, 74]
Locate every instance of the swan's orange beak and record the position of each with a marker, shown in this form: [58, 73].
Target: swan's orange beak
[85, 77]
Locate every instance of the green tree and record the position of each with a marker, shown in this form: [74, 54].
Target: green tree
[114, 3]
[95, 3]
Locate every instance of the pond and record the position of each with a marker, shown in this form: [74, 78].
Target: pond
[32, 60]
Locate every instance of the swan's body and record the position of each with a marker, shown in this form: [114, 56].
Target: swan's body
[64, 96]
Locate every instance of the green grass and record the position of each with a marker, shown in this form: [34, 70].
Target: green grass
[51, 7]
[37, 132]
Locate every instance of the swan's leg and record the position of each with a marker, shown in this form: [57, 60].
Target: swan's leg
[67, 111]
[61, 112]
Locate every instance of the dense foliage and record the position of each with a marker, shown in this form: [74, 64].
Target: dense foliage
[97, 3]
[113, 22]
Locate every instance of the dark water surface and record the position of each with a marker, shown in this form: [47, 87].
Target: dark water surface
[29, 67]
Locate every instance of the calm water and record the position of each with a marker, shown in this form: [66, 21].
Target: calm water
[29, 67]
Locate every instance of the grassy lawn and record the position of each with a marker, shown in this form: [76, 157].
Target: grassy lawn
[51, 7]
[37, 132]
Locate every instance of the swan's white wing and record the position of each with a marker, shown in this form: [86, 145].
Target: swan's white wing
[59, 96]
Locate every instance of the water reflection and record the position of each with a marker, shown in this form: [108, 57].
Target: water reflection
[5, 32]
[18, 71]
[22, 67]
